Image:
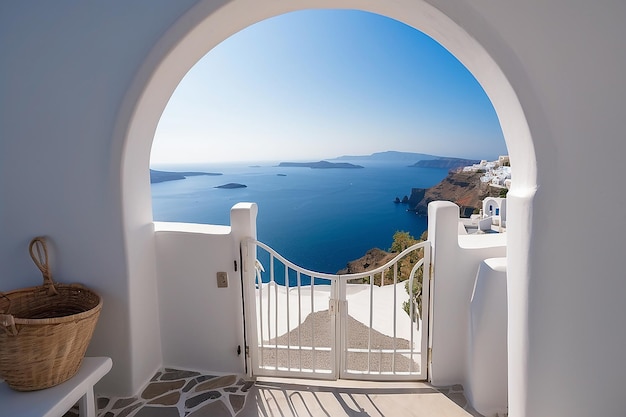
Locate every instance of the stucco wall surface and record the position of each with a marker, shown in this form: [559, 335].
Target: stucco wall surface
[64, 72]
[455, 260]
[565, 61]
[70, 77]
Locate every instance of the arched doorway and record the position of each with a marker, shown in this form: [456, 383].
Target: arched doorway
[206, 25]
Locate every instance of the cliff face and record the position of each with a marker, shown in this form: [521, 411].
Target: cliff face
[373, 259]
[462, 188]
[417, 194]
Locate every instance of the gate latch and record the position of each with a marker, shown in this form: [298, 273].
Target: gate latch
[333, 307]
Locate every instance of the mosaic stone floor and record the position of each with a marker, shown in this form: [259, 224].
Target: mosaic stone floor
[176, 393]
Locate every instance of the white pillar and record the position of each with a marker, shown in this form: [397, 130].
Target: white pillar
[243, 226]
[448, 364]
[455, 261]
[243, 220]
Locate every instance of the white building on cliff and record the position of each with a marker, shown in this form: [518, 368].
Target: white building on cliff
[494, 172]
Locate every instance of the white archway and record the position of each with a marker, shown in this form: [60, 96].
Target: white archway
[207, 24]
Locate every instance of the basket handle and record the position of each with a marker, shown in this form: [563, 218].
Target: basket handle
[7, 323]
[8, 309]
[39, 253]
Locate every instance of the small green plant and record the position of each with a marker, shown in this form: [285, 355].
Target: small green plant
[401, 241]
[415, 298]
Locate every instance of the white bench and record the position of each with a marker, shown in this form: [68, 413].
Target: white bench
[57, 400]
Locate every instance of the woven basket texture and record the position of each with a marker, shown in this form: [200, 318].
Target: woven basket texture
[45, 331]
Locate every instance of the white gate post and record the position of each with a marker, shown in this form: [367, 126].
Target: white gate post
[243, 230]
[447, 305]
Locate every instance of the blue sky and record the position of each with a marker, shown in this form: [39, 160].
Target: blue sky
[318, 84]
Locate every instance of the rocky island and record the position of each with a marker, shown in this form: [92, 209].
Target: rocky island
[319, 165]
[232, 185]
[162, 176]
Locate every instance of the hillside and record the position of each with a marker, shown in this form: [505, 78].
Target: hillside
[371, 260]
[462, 188]
[445, 162]
[395, 157]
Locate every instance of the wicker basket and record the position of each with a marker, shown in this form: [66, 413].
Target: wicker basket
[45, 330]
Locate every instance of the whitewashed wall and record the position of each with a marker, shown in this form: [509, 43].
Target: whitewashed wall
[201, 324]
[486, 386]
[75, 133]
[65, 70]
[455, 263]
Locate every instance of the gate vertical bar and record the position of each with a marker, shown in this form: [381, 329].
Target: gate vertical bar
[299, 282]
[313, 363]
[411, 315]
[260, 297]
[273, 281]
[335, 328]
[288, 323]
[426, 311]
[371, 324]
[395, 318]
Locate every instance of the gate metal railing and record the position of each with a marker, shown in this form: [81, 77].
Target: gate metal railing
[361, 326]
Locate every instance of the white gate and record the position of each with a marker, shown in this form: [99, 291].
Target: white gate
[369, 326]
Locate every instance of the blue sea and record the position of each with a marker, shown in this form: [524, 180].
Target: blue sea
[319, 219]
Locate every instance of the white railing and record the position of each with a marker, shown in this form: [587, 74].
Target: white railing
[311, 324]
